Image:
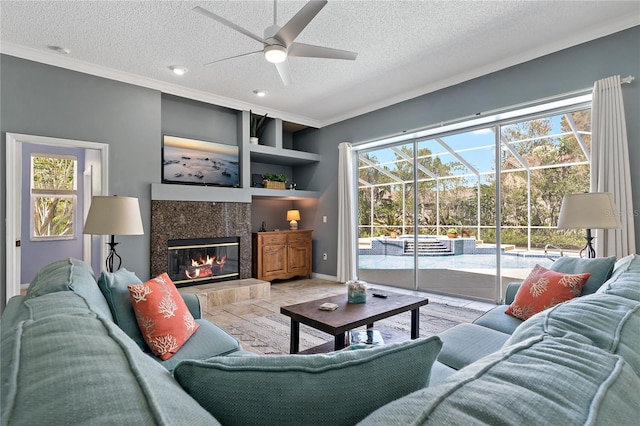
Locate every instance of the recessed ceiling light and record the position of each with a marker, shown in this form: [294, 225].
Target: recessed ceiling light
[59, 49]
[260, 93]
[178, 70]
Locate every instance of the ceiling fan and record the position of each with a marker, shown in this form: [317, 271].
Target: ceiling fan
[279, 42]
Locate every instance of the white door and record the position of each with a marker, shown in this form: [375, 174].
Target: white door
[96, 159]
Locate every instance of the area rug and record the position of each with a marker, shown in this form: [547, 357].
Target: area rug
[270, 335]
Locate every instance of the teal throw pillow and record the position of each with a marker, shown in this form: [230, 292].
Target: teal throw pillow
[600, 269]
[114, 288]
[338, 388]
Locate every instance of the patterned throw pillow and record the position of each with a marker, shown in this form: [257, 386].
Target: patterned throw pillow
[163, 317]
[543, 289]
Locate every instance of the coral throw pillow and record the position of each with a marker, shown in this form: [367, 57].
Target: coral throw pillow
[543, 289]
[163, 317]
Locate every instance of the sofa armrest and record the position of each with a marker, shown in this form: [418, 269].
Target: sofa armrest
[512, 289]
[193, 303]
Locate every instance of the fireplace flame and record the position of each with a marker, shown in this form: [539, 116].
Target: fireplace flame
[205, 267]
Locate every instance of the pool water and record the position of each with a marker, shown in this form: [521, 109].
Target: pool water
[462, 261]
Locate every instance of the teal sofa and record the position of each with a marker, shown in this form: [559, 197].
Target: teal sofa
[66, 359]
[72, 353]
[577, 363]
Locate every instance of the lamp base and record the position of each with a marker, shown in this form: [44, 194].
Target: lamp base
[112, 255]
[591, 253]
[293, 224]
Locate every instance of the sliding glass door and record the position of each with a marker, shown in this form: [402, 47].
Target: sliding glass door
[465, 212]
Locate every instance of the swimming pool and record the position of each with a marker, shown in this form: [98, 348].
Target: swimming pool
[462, 261]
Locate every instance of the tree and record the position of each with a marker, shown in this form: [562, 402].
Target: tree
[54, 188]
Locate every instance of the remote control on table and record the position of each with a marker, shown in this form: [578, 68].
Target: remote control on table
[380, 295]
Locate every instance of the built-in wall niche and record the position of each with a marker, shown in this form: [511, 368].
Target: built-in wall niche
[276, 152]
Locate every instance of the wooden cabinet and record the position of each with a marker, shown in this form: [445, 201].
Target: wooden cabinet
[281, 254]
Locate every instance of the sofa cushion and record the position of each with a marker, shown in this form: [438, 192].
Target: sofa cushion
[75, 367]
[625, 279]
[337, 388]
[467, 343]
[70, 274]
[544, 288]
[114, 287]
[600, 269]
[439, 372]
[162, 315]
[209, 340]
[543, 380]
[496, 319]
[610, 322]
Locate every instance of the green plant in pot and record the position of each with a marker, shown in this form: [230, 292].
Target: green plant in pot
[452, 233]
[257, 126]
[274, 180]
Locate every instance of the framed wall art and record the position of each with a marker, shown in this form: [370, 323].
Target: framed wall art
[195, 162]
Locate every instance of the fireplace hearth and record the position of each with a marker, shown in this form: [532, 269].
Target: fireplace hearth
[203, 260]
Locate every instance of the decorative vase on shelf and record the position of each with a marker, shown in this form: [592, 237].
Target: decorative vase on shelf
[253, 140]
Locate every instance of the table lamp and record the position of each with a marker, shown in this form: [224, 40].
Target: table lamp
[293, 216]
[114, 215]
[589, 210]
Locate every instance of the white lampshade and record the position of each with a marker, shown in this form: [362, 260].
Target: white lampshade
[588, 210]
[114, 215]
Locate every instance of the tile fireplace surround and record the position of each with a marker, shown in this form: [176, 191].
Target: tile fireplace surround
[198, 219]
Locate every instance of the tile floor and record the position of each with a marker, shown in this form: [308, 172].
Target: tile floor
[289, 292]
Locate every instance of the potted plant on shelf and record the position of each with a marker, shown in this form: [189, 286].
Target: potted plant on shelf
[274, 180]
[257, 125]
[452, 233]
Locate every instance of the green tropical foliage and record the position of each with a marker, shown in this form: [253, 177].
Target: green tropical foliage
[53, 188]
[538, 169]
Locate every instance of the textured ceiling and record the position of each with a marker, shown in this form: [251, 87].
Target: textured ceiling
[405, 48]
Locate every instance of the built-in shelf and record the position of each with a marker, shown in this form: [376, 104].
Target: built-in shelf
[169, 192]
[199, 193]
[283, 194]
[285, 157]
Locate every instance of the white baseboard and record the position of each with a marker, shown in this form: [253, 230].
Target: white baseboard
[325, 277]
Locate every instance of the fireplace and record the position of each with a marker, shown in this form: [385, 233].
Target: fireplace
[203, 260]
[193, 220]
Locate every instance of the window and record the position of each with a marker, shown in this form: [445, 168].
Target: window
[53, 196]
[498, 181]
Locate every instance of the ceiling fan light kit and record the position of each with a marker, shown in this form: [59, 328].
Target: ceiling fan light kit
[275, 54]
[279, 42]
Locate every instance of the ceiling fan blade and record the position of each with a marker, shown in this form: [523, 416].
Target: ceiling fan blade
[229, 24]
[311, 51]
[288, 33]
[285, 72]
[233, 57]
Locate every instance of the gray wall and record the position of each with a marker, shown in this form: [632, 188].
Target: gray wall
[44, 100]
[565, 71]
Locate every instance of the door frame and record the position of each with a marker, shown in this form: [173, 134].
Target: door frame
[13, 204]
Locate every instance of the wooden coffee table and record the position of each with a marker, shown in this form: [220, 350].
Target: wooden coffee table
[349, 316]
